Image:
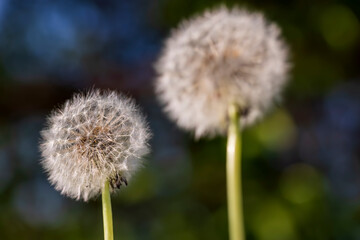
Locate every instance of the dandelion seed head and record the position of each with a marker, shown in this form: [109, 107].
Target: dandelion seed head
[93, 138]
[222, 57]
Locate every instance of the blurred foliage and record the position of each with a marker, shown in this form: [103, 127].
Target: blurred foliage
[301, 164]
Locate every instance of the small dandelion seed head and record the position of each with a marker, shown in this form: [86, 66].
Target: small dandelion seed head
[93, 138]
[225, 56]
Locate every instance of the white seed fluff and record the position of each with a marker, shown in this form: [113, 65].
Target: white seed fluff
[93, 138]
[220, 58]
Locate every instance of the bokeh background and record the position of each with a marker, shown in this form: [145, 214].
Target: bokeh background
[301, 164]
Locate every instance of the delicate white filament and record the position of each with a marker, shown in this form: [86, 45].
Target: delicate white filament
[91, 139]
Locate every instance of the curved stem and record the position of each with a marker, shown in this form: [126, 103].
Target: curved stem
[233, 177]
[107, 213]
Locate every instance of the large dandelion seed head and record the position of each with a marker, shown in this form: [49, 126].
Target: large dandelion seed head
[220, 58]
[93, 138]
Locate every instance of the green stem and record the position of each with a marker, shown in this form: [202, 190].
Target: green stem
[107, 214]
[233, 177]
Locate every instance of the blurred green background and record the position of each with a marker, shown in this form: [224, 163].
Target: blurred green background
[301, 164]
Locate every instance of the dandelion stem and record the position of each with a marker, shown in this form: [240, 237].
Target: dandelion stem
[107, 214]
[233, 176]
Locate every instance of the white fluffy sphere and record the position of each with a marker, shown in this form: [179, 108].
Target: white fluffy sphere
[223, 57]
[93, 138]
